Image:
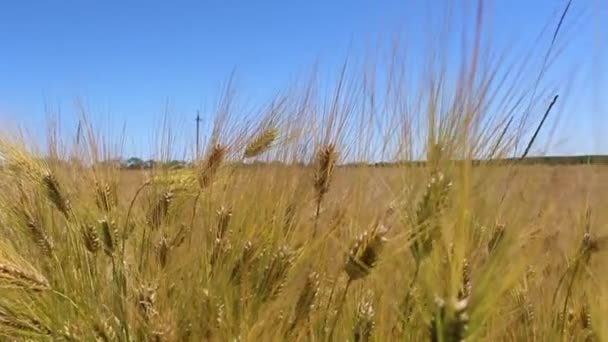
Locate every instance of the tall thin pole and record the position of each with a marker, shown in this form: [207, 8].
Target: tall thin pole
[198, 122]
[78, 133]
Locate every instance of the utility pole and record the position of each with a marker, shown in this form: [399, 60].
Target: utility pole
[198, 122]
[78, 133]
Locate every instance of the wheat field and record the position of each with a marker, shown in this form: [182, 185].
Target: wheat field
[367, 209]
[225, 250]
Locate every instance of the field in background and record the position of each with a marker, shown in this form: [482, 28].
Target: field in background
[243, 252]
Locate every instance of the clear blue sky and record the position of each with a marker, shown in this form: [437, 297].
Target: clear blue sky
[129, 60]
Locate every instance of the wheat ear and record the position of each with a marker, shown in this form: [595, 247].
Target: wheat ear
[261, 143]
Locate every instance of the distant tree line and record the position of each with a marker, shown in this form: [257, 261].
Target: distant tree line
[135, 163]
[545, 160]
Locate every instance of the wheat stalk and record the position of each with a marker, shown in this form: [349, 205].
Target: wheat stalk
[589, 246]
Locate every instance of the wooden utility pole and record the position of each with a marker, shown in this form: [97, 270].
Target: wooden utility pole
[198, 122]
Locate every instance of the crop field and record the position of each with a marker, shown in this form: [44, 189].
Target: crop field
[397, 199]
[226, 251]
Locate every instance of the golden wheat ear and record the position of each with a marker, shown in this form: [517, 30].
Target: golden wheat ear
[364, 319]
[36, 230]
[160, 210]
[427, 230]
[365, 252]
[15, 277]
[450, 321]
[261, 143]
[361, 259]
[241, 267]
[275, 274]
[211, 165]
[221, 244]
[163, 248]
[146, 301]
[105, 196]
[306, 300]
[21, 323]
[91, 239]
[467, 283]
[324, 169]
[108, 233]
[325, 165]
[55, 194]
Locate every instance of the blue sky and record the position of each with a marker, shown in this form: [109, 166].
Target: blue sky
[129, 61]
